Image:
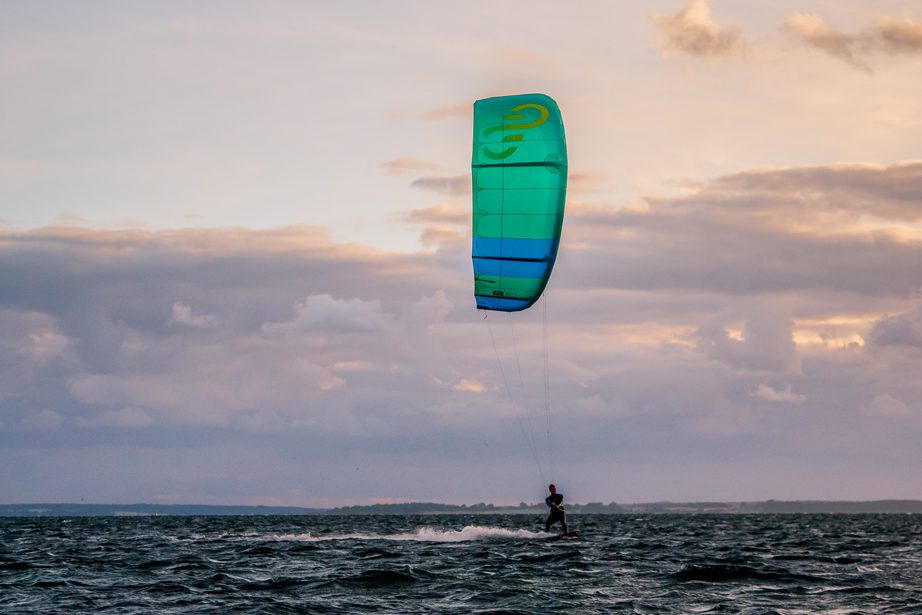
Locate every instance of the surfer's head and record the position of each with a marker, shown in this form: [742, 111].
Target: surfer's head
[552, 488]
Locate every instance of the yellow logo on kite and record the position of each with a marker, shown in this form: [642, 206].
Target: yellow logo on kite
[513, 116]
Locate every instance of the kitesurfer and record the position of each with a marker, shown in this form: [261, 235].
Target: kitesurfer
[555, 502]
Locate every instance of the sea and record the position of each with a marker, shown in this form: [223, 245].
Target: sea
[464, 564]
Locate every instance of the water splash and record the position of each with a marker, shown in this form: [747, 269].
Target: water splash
[429, 534]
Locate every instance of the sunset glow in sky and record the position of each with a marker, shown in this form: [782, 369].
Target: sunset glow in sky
[235, 252]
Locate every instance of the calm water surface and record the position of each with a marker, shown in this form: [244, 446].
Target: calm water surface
[782, 564]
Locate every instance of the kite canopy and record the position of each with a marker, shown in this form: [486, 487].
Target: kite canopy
[519, 170]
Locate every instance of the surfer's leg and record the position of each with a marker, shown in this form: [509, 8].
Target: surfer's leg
[547, 524]
[563, 522]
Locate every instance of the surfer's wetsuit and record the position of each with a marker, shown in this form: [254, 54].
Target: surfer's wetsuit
[557, 514]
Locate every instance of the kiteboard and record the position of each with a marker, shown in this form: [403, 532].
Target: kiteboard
[570, 534]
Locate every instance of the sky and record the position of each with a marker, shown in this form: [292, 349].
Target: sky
[235, 253]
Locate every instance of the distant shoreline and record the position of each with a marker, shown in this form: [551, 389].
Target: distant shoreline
[432, 508]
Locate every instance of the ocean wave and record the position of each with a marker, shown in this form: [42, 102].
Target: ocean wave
[459, 564]
[380, 578]
[711, 573]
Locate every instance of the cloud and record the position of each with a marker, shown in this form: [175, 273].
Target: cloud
[693, 30]
[450, 214]
[468, 386]
[888, 35]
[31, 345]
[785, 394]
[45, 345]
[446, 225]
[885, 405]
[325, 313]
[580, 183]
[765, 342]
[182, 314]
[454, 185]
[432, 309]
[400, 166]
[232, 383]
[899, 35]
[815, 32]
[844, 228]
[670, 335]
[32, 337]
[901, 330]
[279, 346]
[886, 191]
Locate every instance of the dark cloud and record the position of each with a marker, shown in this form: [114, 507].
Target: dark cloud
[893, 192]
[31, 346]
[325, 313]
[675, 330]
[803, 229]
[900, 330]
[693, 30]
[765, 344]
